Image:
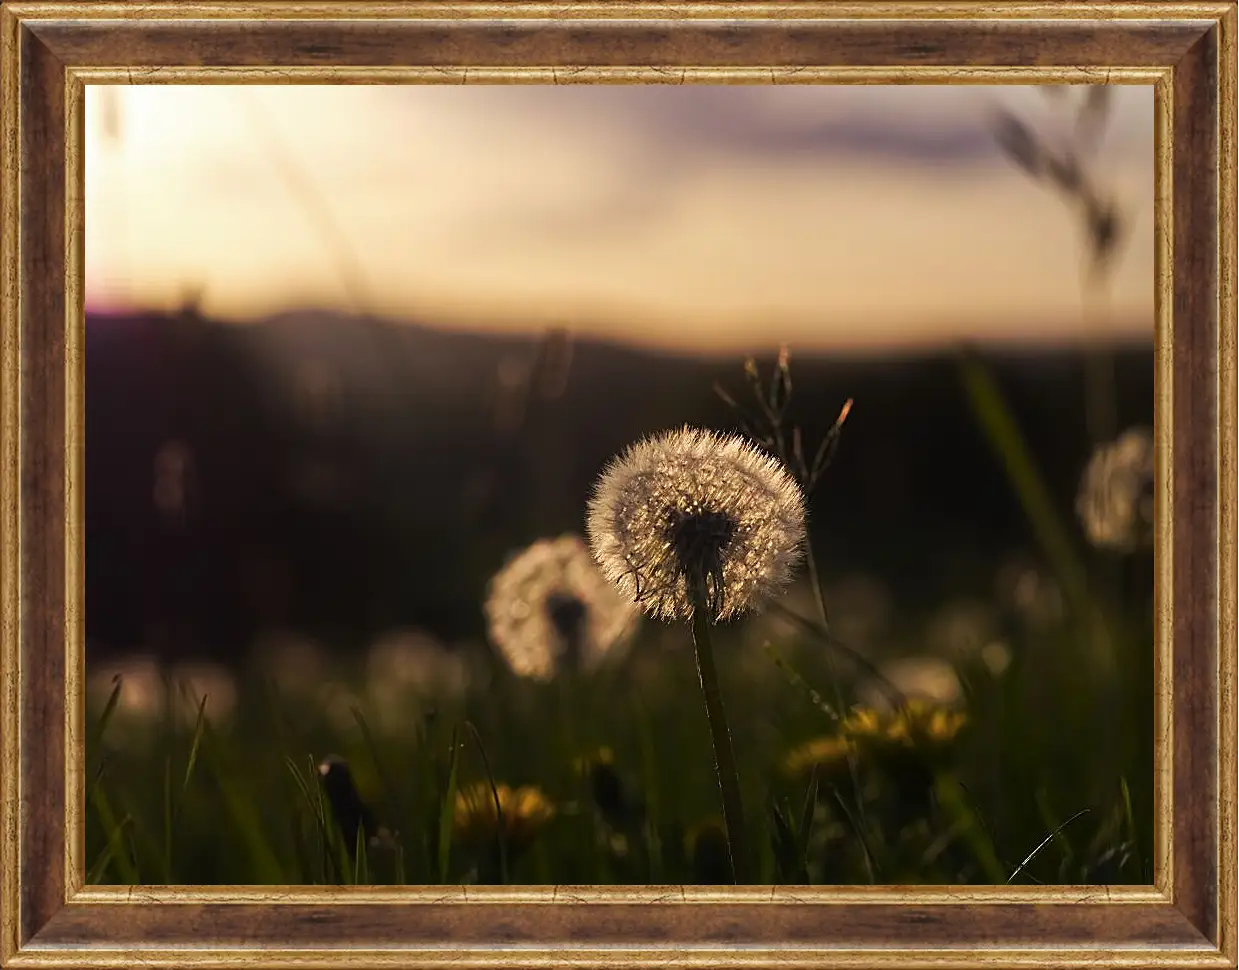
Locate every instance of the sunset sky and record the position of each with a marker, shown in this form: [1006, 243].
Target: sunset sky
[841, 216]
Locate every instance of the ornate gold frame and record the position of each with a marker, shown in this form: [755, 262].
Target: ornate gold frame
[48, 51]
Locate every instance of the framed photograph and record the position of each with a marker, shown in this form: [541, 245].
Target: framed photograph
[595, 484]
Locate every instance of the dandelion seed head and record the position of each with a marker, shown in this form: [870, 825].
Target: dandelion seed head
[690, 514]
[416, 661]
[337, 701]
[997, 657]
[208, 684]
[405, 669]
[861, 610]
[550, 607]
[959, 630]
[295, 665]
[1029, 595]
[143, 690]
[1115, 500]
[922, 678]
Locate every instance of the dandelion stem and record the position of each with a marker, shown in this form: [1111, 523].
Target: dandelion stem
[724, 757]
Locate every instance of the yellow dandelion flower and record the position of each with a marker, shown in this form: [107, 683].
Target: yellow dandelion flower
[525, 811]
[863, 722]
[826, 754]
[918, 723]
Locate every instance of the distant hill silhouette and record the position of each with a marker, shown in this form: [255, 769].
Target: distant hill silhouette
[342, 476]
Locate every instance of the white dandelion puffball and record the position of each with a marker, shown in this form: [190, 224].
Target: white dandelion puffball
[691, 516]
[550, 608]
[1115, 501]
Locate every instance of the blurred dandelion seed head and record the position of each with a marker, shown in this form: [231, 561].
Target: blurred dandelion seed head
[198, 682]
[691, 511]
[1116, 496]
[550, 608]
[916, 678]
[149, 692]
[961, 629]
[404, 667]
[861, 610]
[143, 691]
[997, 657]
[296, 665]
[1028, 593]
[525, 811]
[337, 701]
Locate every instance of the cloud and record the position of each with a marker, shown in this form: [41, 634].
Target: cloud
[918, 124]
[721, 210]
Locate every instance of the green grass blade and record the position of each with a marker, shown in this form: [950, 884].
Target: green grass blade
[806, 820]
[402, 877]
[94, 875]
[242, 812]
[301, 785]
[361, 864]
[798, 682]
[395, 805]
[108, 710]
[1000, 427]
[332, 872]
[167, 819]
[649, 786]
[998, 423]
[786, 857]
[336, 851]
[447, 811]
[1129, 823]
[126, 868]
[500, 835]
[1044, 842]
[199, 726]
[314, 808]
[970, 827]
[1051, 822]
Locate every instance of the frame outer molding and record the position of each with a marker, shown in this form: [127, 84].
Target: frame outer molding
[49, 50]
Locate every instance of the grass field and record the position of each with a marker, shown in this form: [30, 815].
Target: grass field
[1016, 746]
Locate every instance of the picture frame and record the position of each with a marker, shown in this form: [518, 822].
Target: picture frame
[50, 50]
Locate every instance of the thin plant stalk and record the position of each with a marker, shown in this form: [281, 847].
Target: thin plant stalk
[772, 403]
[819, 597]
[567, 684]
[823, 634]
[724, 757]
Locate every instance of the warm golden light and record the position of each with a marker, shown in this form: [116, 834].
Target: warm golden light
[834, 216]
